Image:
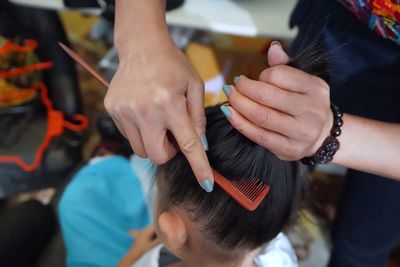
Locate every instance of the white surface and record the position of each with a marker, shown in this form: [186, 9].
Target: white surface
[240, 17]
[52, 4]
[49, 4]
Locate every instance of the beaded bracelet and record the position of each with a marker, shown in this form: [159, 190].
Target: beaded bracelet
[331, 144]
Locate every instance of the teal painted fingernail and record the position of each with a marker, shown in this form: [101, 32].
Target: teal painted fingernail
[236, 79]
[204, 141]
[227, 90]
[226, 111]
[208, 185]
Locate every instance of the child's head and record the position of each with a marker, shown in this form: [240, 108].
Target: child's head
[203, 228]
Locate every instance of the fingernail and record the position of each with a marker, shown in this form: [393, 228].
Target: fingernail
[226, 89]
[204, 141]
[236, 79]
[275, 43]
[226, 111]
[208, 185]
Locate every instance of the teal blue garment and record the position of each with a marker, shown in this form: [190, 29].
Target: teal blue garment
[103, 202]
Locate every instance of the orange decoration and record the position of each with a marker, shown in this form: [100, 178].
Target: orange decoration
[23, 70]
[9, 47]
[56, 126]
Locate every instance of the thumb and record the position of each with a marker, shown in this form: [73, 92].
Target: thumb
[276, 55]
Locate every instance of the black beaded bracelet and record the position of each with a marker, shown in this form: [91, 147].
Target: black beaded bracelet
[331, 144]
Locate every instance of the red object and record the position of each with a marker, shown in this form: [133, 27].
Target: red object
[56, 125]
[9, 47]
[248, 193]
[23, 70]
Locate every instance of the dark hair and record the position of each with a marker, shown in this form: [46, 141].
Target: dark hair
[220, 218]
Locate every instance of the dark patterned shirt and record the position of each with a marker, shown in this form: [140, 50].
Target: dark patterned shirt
[382, 16]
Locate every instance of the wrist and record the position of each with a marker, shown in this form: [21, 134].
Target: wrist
[325, 132]
[130, 50]
[139, 23]
[331, 144]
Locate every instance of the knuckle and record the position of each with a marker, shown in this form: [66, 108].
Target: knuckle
[309, 135]
[139, 153]
[277, 73]
[263, 140]
[294, 151]
[200, 120]
[108, 103]
[190, 145]
[133, 106]
[283, 157]
[199, 83]
[318, 114]
[320, 85]
[159, 158]
[267, 95]
[264, 75]
[238, 126]
[262, 116]
[163, 99]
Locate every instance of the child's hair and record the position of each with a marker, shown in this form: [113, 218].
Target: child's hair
[219, 217]
[225, 223]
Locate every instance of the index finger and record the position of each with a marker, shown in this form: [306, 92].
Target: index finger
[190, 145]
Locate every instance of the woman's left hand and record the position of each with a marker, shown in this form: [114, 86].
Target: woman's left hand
[287, 111]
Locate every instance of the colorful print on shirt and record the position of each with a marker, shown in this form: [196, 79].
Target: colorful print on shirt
[382, 16]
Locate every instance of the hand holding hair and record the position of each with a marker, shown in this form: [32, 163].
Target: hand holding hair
[288, 112]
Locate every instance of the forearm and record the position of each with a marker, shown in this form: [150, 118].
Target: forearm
[140, 25]
[370, 146]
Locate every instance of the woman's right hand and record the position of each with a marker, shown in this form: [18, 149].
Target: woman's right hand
[156, 90]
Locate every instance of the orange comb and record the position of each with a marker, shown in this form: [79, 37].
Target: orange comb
[248, 193]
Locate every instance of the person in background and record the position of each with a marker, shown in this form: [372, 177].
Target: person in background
[156, 91]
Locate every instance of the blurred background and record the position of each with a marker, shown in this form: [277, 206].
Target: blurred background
[40, 152]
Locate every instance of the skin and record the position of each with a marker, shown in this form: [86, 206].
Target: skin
[145, 240]
[292, 120]
[156, 90]
[167, 96]
[183, 238]
[180, 235]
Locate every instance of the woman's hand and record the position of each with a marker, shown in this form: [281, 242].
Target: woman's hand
[287, 111]
[156, 91]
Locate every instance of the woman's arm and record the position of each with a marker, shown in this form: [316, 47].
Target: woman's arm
[370, 146]
[156, 90]
[288, 112]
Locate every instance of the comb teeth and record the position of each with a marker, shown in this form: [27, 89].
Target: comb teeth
[248, 193]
